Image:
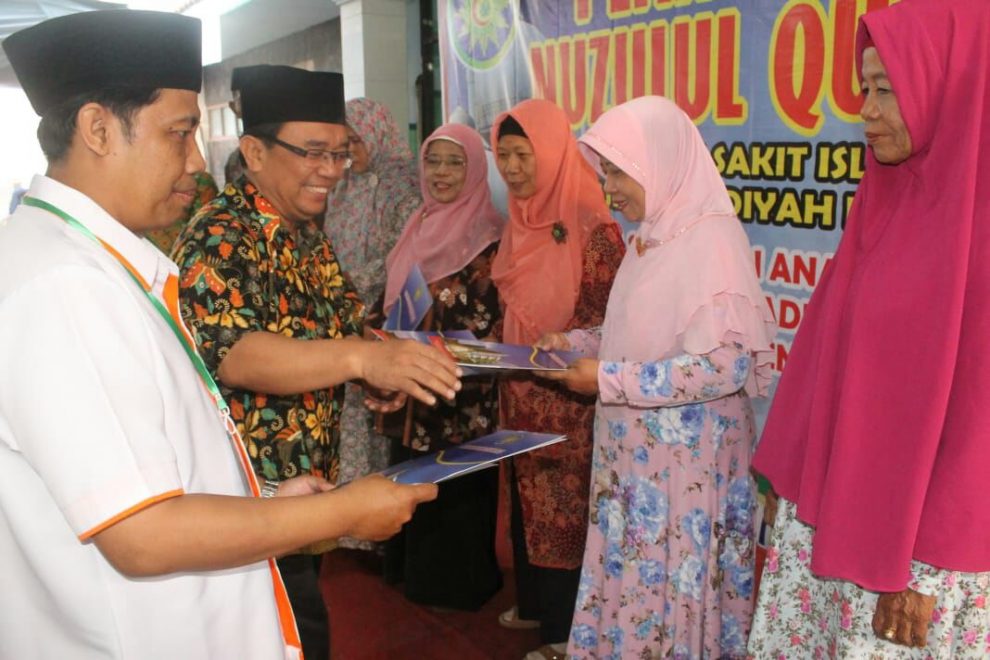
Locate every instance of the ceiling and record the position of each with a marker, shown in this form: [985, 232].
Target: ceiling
[261, 21]
[240, 26]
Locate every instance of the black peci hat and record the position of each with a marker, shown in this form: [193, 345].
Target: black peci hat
[242, 73]
[89, 51]
[272, 94]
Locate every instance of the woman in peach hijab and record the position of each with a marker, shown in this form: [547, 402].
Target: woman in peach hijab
[554, 269]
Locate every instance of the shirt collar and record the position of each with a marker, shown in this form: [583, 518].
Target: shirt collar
[269, 217]
[143, 257]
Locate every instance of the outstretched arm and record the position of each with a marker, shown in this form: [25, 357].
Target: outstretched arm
[683, 379]
[210, 532]
[267, 362]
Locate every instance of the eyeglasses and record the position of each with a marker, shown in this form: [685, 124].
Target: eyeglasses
[434, 163]
[316, 157]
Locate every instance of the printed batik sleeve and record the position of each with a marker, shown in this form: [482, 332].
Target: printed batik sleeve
[682, 379]
[221, 286]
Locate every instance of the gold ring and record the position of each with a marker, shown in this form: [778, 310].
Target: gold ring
[889, 633]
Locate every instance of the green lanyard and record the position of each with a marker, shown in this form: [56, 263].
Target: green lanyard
[194, 357]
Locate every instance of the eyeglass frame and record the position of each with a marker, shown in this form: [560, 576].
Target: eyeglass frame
[460, 164]
[326, 156]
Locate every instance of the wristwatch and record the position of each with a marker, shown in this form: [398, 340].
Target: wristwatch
[269, 488]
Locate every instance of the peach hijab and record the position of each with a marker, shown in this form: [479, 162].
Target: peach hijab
[539, 278]
[691, 285]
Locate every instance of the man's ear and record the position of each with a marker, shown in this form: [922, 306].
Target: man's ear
[255, 152]
[96, 127]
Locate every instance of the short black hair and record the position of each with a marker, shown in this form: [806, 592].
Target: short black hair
[267, 133]
[510, 126]
[58, 125]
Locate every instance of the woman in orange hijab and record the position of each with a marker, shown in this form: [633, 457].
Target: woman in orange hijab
[554, 269]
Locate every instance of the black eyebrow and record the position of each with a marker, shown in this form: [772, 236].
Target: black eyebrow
[190, 120]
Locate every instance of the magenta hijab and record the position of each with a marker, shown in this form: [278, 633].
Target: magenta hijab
[693, 285]
[444, 238]
[878, 431]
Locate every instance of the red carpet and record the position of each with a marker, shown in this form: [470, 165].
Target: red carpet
[370, 619]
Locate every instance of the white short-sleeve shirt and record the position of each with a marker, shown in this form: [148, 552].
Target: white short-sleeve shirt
[102, 414]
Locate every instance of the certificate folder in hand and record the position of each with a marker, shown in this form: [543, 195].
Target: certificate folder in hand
[486, 355]
[413, 303]
[473, 455]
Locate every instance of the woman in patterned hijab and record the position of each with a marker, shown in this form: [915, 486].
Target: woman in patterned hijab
[369, 208]
[365, 216]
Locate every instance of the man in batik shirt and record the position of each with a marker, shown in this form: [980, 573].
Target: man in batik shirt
[266, 299]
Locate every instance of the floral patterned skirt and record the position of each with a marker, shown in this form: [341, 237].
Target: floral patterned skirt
[668, 569]
[801, 616]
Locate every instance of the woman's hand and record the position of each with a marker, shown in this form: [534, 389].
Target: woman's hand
[580, 377]
[553, 341]
[903, 617]
[381, 401]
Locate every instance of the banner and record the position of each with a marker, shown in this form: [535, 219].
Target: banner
[772, 87]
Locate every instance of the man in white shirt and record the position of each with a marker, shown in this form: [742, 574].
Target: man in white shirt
[131, 522]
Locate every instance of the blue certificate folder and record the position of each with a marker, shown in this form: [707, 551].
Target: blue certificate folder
[413, 303]
[483, 355]
[473, 455]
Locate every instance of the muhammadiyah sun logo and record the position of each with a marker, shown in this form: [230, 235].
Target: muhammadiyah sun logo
[480, 30]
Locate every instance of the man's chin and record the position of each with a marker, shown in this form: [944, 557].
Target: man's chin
[161, 224]
[318, 215]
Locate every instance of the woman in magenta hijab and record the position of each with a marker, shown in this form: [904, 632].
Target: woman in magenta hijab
[668, 567]
[877, 442]
[446, 555]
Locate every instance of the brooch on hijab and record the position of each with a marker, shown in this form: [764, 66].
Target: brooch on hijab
[559, 232]
[642, 246]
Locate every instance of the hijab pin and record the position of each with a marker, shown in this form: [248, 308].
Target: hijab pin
[559, 232]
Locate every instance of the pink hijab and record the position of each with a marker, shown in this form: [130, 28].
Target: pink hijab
[444, 238]
[879, 430]
[694, 286]
[539, 278]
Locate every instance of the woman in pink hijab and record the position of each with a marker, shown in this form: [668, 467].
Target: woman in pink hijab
[446, 556]
[877, 441]
[668, 567]
[553, 270]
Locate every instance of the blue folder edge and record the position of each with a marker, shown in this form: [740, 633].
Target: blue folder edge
[477, 454]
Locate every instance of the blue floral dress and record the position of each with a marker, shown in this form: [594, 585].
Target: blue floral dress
[668, 567]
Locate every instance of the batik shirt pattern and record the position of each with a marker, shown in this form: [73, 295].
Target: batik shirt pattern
[244, 271]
